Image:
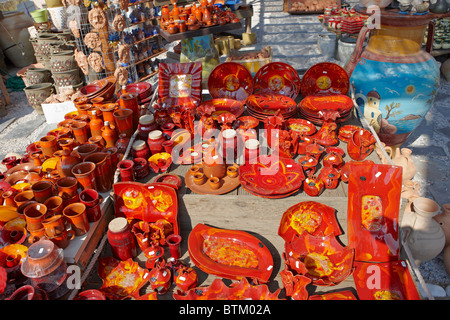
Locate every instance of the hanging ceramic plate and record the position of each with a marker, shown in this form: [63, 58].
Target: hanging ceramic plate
[394, 282]
[231, 254]
[277, 78]
[230, 80]
[327, 262]
[221, 105]
[180, 84]
[310, 216]
[374, 192]
[148, 202]
[218, 290]
[302, 126]
[325, 78]
[121, 279]
[271, 176]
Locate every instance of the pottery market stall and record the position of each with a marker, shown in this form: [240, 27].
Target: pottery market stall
[265, 221]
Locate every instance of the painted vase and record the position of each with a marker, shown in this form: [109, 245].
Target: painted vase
[395, 81]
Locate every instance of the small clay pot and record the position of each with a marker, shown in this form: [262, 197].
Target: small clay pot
[199, 178]
[232, 172]
[214, 183]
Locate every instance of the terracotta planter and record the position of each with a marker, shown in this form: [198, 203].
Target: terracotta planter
[34, 216]
[37, 93]
[124, 121]
[77, 217]
[80, 131]
[62, 62]
[42, 190]
[48, 145]
[85, 174]
[104, 175]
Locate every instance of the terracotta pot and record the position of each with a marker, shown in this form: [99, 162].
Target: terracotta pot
[80, 131]
[35, 215]
[85, 174]
[54, 225]
[66, 162]
[199, 178]
[213, 165]
[42, 190]
[62, 62]
[38, 76]
[23, 197]
[22, 207]
[77, 217]
[54, 205]
[214, 183]
[68, 78]
[104, 175]
[124, 121]
[126, 170]
[37, 93]
[423, 234]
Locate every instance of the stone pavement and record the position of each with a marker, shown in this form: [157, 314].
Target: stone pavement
[294, 41]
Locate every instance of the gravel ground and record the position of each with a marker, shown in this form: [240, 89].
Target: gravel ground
[294, 41]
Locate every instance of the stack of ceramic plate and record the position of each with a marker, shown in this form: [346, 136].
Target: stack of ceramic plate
[313, 108]
[265, 105]
[143, 90]
[352, 24]
[104, 88]
[271, 177]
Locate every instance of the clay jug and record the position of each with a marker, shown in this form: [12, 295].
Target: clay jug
[423, 234]
[165, 13]
[401, 157]
[66, 162]
[410, 188]
[213, 164]
[444, 221]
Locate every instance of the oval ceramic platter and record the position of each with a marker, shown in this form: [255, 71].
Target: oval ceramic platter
[325, 78]
[230, 80]
[277, 78]
[230, 254]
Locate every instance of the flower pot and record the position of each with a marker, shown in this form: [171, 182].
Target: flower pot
[68, 78]
[59, 17]
[62, 62]
[40, 15]
[38, 75]
[37, 93]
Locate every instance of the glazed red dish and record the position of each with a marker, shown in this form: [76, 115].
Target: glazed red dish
[325, 78]
[230, 254]
[277, 78]
[221, 105]
[230, 80]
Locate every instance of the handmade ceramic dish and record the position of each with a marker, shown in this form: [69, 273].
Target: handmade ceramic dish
[221, 105]
[277, 78]
[301, 126]
[230, 80]
[374, 192]
[218, 290]
[231, 254]
[247, 122]
[394, 281]
[226, 184]
[121, 279]
[310, 216]
[325, 78]
[141, 89]
[315, 104]
[180, 84]
[148, 202]
[271, 176]
[345, 132]
[327, 262]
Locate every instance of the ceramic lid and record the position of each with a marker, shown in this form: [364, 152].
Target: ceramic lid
[43, 257]
[146, 119]
[139, 145]
[118, 225]
[155, 134]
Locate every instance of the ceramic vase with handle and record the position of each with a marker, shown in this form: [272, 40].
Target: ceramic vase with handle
[395, 80]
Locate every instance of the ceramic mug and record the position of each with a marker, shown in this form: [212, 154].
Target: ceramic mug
[42, 190]
[54, 226]
[199, 178]
[77, 217]
[89, 197]
[94, 213]
[126, 170]
[67, 187]
[48, 145]
[85, 174]
[35, 215]
[54, 205]
[63, 240]
[36, 235]
[23, 197]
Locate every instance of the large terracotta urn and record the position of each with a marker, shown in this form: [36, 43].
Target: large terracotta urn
[395, 80]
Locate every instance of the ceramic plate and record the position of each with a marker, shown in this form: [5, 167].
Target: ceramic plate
[230, 80]
[277, 78]
[310, 216]
[315, 104]
[180, 84]
[231, 254]
[220, 105]
[374, 192]
[325, 78]
[271, 176]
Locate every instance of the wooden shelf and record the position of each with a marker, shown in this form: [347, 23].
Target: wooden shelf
[148, 76]
[148, 38]
[152, 56]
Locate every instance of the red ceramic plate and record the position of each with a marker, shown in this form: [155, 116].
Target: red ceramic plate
[310, 216]
[121, 279]
[230, 80]
[218, 290]
[148, 202]
[277, 78]
[394, 282]
[315, 104]
[247, 122]
[327, 261]
[374, 192]
[325, 78]
[232, 106]
[302, 126]
[180, 84]
[264, 102]
[271, 176]
[231, 254]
